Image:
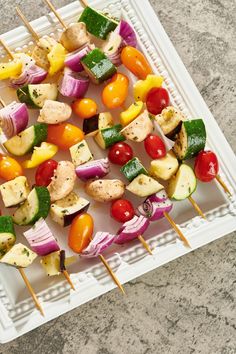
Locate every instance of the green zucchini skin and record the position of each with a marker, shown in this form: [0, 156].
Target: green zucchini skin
[193, 135]
[44, 203]
[7, 234]
[98, 66]
[31, 211]
[97, 24]
[24, 97]
[133, 168]
[40, 133]
[112, 135]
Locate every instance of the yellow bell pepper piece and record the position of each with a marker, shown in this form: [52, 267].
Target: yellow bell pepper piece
[40, 154]
[142, 87]
[131, 113]
[10, 70]
[56, 58]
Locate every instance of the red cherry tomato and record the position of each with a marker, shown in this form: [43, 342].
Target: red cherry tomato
[206, 166]
[122, 210]
[155, 147]
[45, 172]
[157, 100]
[120, 154]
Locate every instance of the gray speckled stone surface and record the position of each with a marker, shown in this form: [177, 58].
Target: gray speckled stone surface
[187, 306]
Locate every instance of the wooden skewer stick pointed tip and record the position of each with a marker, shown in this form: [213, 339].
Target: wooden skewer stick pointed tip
[27, 24]
[53, 9]
[197, 207]
[31, 290]
[145, 244]
[114, 277]
[223, 185]
[177, 230]
[67, 276]
[7, 49]
[2, 102]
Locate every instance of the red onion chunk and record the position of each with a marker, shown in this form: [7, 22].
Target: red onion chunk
[73, 60]
[127, 33]
[31, 75]
[132, 229]
[41, 239]
[159, 197]
[73, 85]
[154, 210]
[113, 47]
[98, 245]
[93, 169]
[14, 118]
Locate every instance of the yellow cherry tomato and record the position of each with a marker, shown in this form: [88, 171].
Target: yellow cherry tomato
[81, 232]
[135, 62]
[131, 113]
[116, 92]
[84, 108]
[142, 87]
[9, 168]
[40, 154]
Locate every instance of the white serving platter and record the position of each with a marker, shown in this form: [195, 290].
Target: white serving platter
[17, 312]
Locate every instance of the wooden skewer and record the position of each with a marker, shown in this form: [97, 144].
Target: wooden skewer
[27, 24]
[31, 290]
[177, 230]
[112, 274]
[197, 207]
[145, 244]
[67, 276]
[84, 3]
[222, 183]
[7, 49]
[53, 9]
[110, 271]
[2, 102]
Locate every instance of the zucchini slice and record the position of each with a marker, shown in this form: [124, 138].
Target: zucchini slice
[15, 191]
[97, 23]
[109, 136]
[34, 96]
[35, 207]
[191, 139]
[21, 144]
[133, 168]
[98, 66]
[7, 234]
[19, 256]
[183, 184]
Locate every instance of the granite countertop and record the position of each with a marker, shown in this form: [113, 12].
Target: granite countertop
[187, 306]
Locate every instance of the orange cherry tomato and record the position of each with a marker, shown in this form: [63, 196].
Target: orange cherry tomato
[9, 168]
[136, 62]
[84, 108]
[116, 92]
[64, 135]
[80, 233]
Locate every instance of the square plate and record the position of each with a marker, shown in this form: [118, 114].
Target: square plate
[17, 312]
